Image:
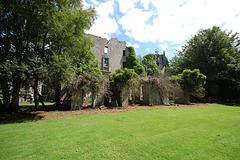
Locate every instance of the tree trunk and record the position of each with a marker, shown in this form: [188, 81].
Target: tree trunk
[41, 100]
[15, 98]
[57, 95]
[36, 102]
[35, 88]
[1, 106]
[5, 92]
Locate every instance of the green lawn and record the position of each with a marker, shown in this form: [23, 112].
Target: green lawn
[207, 132]
[28, 103]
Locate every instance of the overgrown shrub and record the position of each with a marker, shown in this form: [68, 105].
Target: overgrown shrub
[191, 81]
[120, 78]
[150, 63]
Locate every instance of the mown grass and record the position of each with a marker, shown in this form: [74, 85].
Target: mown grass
[205, 132]
[28, 103]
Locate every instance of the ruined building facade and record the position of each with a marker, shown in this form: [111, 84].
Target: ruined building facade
[110, 54]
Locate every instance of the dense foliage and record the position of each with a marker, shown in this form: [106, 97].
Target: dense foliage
[150, 63]
[42, 40]
[216, 53]
[120, 78]
[191, 81]
[133, 63]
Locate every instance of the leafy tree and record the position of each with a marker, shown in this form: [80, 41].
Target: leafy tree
[34, 34]
[216, 54]
[22, 44]
[232, 78]
[150, 63]
[133, 63]
[191, 81]
[69, 43]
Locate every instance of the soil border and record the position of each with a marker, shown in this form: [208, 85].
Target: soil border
[39, 115]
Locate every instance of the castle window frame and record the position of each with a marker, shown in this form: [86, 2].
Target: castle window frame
[106, 62]
[124, 53]
[106, 49]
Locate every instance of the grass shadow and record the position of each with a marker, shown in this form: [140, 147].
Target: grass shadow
[21, 117]
[29, 113]
[233, 103]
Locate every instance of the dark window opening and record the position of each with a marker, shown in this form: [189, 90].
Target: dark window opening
[124, 53]
[124, 65]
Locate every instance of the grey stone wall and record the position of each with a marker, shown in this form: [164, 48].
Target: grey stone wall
[98, 97]
[77, 100]
[136, 94]
[145, 90]
[124, 97]
[114, 54]
[182, 97]
[151, 95]
[154, 96]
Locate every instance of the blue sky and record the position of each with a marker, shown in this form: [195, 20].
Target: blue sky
[157, 25]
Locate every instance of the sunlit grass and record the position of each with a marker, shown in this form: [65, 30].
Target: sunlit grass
[32, 104]
[205, 132]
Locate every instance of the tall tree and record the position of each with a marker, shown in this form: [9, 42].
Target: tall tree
[133, 63]
[22, 26]
[32, 33]
[69, 44]
[216, 54]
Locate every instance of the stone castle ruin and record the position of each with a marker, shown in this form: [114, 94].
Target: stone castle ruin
[110, 54]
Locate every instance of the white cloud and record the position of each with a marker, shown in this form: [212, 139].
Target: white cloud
[129, 44]
[104, 25]
[164, 20]
[145, 3]
[85, 4]
[136, 46]
[179, 48]
[175, 23]
[134, 22]
[133, 45]
[126, 5]
[233, 24]
[95, 2]
[148, 50]
[167, 53]
[164, 46]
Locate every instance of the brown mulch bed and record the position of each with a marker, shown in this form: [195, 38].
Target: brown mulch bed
[20, 117]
